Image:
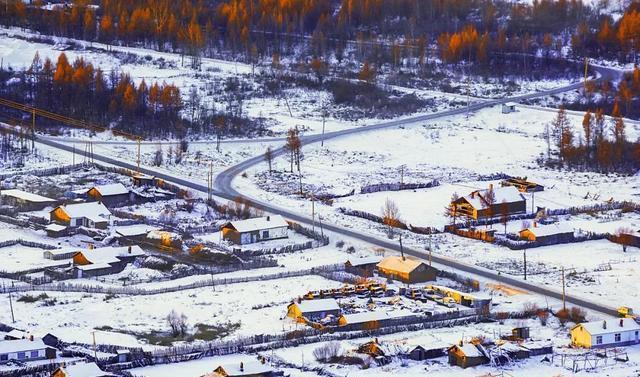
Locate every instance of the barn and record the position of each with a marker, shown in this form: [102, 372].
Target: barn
[313, 310]
[548, 234]
[481, 205]
[25, 201]
[362, 266]
[601, 334]
[112, 195]
[90, 215]
[406, 270]
[255, 230]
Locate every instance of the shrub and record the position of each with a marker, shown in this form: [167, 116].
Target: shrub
[327, 352]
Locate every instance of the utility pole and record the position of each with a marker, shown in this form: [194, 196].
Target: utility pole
[402, 175]
[33, 129]
[13, 318]
[564, 302]
[95, 352]
[73, 151]
[525, 264]
[429, 257]
[586, 70]
[313, 213]
[401, 249]
[138, 156]
[324, 118]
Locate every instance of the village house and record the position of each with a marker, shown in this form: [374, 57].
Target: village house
[313, 310]
[371, 319]
[25, 201]
[112, 195]
[25, 350]
[242, 369]
[60, 254]
[255, 230]
[548, 234]
[466, 355]
[133, 234]
[362, 266]
[508, 107]
[601, 334]
[422, 352]
[406, 270]
[16, 334]
[164, 239]
[104, 261]
[90, 215]
[481, 204]
[81, 370]
[56, 230]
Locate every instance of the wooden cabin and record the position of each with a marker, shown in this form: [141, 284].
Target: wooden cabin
[480, 205]
[548, 234]
[314, 310]
[140, 179]
[104, 261]
[111, 195]
[508, 107]
[25, 201]
[466, 355]
[90, 215]
[255, 230]
[426, 352]
[406, 270]
[362, 266]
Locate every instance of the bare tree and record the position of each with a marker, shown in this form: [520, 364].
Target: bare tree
[489, 199]
[177, 323]
[390, 216]
[293, 146]
[157, 158]
[451, 211]
[624, 238]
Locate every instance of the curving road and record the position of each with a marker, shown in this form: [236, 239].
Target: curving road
[223, 188]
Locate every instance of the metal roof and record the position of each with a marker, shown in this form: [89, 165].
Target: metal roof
[258, 223]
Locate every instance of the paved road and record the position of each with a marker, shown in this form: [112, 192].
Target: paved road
[223, 188]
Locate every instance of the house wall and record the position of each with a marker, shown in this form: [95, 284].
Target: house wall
[40, 355]
[58, 215]
[255, 236]
[582, 338]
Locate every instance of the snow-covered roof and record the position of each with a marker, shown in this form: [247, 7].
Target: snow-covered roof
[259, 223]
[612, 326]
[17, 334]
[320, 305]
[26, 196]
[363, 261]
[510, 104]
[508, 194]
[21, 345]
[111, 189]
[96, 266]
[55, 227]
[107, 255]
[397, 263]
[365, 317]
[84, 370]
[63, 251]
[248, 368]
[88, 210]
[470, 350]
[549, 230]
[134, 230]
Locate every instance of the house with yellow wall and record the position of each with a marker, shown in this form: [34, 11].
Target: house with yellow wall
[90, 215]
[606, 333]
[406, 270]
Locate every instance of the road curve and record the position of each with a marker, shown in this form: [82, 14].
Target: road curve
[223, 188]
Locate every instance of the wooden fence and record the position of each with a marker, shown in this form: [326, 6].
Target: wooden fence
[397, 186]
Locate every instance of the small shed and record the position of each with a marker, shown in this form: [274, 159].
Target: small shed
[406, 270]
[112, 195]
[508, 107]
[362, 266]
[314, 310]
[548, 234]
[60, 254]
[140, 179]
[520, 333]
[255, 230]
[427, 351]
[522, 184]
[56, 230]
[466, 355]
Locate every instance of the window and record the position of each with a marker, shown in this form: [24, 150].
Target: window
[21, 355]
[4, 357]
[599, 339]
[34, 354]
[265, 234]
[618, 337]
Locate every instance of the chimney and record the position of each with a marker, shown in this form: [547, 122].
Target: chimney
[241, 366]
[491, 186]
[621, 322]
[535, 224]
[268, 218]
[31, 337]
[90, 246]
[473, 194]
[129, 249]
[604, 325]
[461, 344]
